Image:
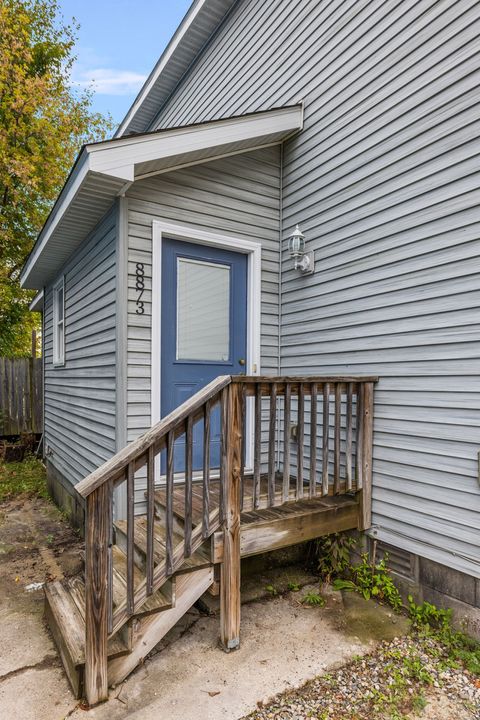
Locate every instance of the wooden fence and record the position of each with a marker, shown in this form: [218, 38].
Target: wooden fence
[21, 395]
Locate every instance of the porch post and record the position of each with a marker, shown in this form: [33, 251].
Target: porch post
[230, 568]
[366, 452]
[96, 594]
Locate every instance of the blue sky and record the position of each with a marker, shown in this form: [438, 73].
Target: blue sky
[119, 42]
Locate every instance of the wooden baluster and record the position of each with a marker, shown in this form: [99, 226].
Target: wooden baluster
[96, 595]
[326, 428]
[337, 436]
[150, 517]
[300, 439]
[206, 471]
[359, 437]
[230, 568]
[169, 502]
[223, 450]
[349, 434]
[257, 446]
[313, 439]
[130, 535]
[271, 444]
[110, 558]
[244, 434]
[286, 442]
[365, 505]
[188, 486]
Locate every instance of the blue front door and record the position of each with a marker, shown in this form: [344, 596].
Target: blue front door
[204, 328]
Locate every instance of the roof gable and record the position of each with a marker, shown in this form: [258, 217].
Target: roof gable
[197, 27]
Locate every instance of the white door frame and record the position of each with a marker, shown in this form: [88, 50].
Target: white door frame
[163, 229]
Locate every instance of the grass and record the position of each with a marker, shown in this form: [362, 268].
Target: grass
[25, 478]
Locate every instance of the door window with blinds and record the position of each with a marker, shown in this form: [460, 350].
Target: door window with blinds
[203, 310]
[59, 322]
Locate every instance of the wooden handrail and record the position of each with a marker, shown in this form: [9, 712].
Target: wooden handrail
[292, 460]
[113, 468]
[305, 379]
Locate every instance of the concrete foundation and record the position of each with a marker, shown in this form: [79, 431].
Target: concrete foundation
[65, 496]
[435, 583]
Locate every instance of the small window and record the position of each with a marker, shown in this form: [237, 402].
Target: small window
[59, 323]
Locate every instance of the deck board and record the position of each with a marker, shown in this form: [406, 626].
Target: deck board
[197, 501]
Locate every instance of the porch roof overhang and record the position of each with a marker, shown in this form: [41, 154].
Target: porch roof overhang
[105, 170]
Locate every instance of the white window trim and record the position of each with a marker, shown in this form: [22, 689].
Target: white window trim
[58, 352]
[253, 250]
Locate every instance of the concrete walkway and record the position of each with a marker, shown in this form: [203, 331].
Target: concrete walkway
[284, 643]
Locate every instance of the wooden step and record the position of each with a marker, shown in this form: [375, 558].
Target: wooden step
[65, 614]
[163, 599]
[160, 499]
[199, 559]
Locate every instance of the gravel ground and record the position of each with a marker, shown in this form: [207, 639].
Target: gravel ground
[401, 679]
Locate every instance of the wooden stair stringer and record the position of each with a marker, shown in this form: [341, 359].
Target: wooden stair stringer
[151, 629]
[65, 616]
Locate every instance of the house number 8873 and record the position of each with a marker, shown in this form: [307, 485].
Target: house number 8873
[140, 287]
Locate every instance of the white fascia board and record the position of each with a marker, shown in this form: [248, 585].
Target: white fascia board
[119, 157]
[37, 303]
[71, 188]
[177, 38]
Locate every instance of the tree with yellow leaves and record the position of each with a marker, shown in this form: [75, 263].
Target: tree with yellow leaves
[43, 123]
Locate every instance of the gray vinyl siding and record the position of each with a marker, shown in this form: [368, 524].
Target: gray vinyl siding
[384, 181]
[80, 396]
[237, 196]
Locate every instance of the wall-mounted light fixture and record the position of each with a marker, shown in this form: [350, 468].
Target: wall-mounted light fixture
[304, 261]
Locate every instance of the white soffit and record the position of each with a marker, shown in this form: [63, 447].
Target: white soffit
[103, 170]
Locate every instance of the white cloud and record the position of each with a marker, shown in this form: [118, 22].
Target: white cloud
[109, 82]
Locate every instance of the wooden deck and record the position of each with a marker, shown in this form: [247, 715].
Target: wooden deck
[268, 527]
[142, 573]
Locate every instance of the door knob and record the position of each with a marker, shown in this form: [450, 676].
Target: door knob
[241, 361]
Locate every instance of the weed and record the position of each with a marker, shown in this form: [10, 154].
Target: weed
[333, 553]
[419, 702]
[341, 584]
[371, 580]
[456, 647]
[271, 589]
[427, 616]
[414, 669]
[313, 599]
[293, 587]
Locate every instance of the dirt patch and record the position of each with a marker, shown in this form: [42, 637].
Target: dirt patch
[36, 545]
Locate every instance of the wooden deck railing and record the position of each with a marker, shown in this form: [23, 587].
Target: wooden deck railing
[265, 441]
